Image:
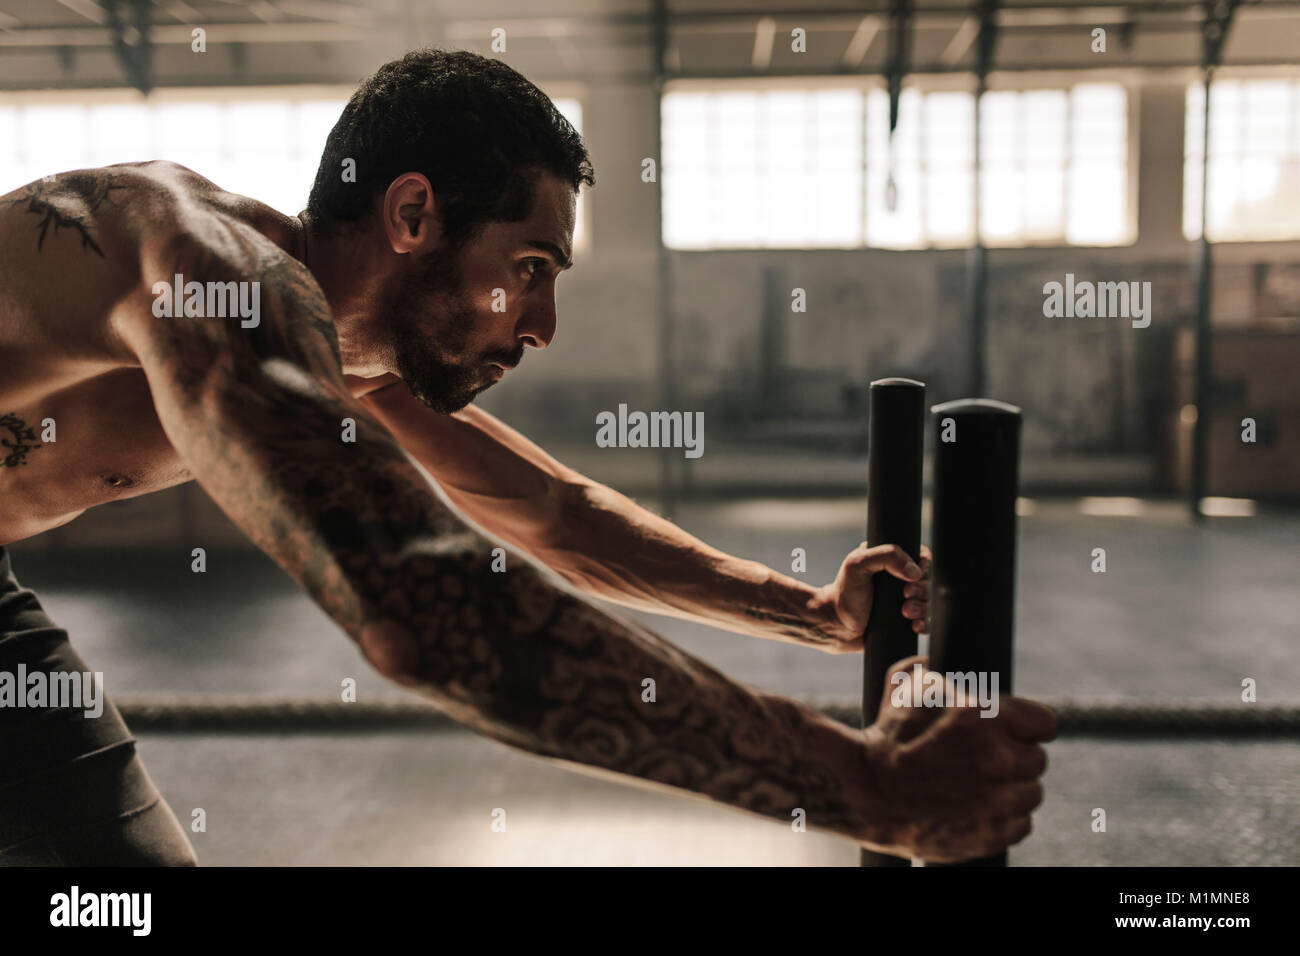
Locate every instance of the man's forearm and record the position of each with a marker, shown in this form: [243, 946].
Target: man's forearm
[524, 661]
[609, 546]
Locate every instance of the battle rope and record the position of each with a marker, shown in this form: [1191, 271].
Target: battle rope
[1079, 717]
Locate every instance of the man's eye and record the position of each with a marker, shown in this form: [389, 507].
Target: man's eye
[532, 265]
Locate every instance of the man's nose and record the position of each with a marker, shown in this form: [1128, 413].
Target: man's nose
[537, 326]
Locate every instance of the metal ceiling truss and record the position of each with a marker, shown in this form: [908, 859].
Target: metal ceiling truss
[133, 29]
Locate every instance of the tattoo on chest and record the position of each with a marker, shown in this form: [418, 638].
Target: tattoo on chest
[23, 440]
[69, 202]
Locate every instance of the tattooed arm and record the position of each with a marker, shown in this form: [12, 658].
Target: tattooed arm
[258, 415]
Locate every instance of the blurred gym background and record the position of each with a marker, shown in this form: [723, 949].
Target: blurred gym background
[822, 146]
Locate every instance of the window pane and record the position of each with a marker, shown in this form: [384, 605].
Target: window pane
[1254, 167]
[949, 164]
[1001, 159]
[1097, 194]
[753, 169]
[120, 133]
[52, 139]
[901, 226]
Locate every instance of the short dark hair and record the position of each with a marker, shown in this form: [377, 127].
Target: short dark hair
[474, 127]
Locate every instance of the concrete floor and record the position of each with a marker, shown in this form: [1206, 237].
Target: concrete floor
[428, 799]
[1182, 611]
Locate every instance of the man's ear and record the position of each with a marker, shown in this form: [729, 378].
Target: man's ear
[409, 215]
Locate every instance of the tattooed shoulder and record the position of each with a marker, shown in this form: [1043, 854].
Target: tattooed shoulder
[69, 201]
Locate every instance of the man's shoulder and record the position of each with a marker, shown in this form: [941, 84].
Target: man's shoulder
[198, 249]
[173, 186]
[178, 204]
[124, 212]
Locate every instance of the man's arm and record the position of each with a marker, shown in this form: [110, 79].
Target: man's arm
[606, 544]
[258, 414]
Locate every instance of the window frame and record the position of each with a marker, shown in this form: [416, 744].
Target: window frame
[925, 83]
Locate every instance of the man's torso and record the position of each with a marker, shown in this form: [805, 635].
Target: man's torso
[68, 258]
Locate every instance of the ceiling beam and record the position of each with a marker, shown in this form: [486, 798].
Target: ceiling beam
[180, 10]
[865, 34]
[960, 42]
[267, 12]
[89, 9]
[328, 11]
[764, 40]
[218, 32]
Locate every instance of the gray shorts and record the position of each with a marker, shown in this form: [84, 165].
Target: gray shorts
[72, 790]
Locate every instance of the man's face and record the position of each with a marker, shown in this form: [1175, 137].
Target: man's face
[459, 319]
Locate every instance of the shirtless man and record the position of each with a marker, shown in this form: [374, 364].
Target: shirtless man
[381, 306]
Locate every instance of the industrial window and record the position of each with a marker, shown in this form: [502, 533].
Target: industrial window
[1056, 166]
[816, 168]
[748, 168]
[1254, 160]
[260, 142]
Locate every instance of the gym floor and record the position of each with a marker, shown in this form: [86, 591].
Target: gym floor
[1182, 611]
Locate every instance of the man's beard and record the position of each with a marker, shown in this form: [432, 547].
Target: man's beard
[431, 322]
